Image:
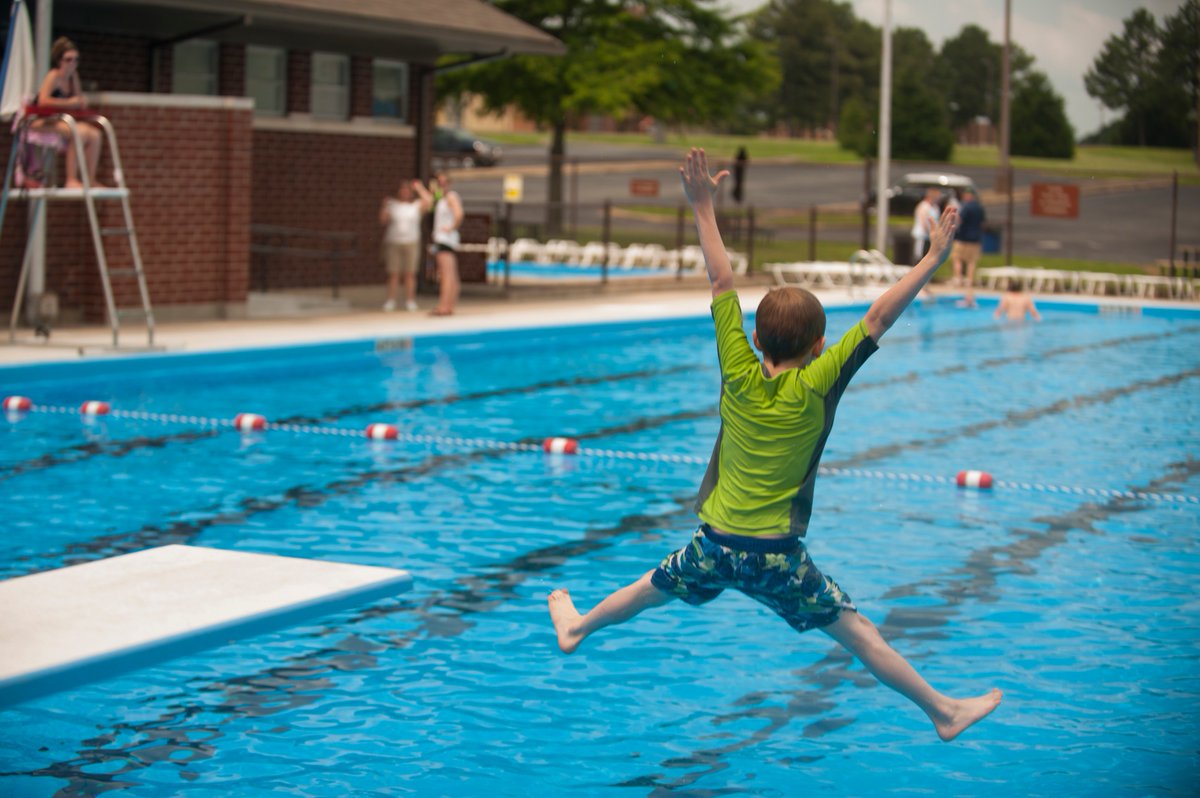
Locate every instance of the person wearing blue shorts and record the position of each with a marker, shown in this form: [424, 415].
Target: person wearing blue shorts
[756, 497]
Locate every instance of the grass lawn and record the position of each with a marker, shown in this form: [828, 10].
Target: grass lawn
[1092, 160]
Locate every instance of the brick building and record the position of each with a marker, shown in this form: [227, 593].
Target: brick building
[233, 114]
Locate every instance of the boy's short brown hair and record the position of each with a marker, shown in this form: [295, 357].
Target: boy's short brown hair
[789, 321]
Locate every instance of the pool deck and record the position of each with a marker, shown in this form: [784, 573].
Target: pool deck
[360, 318]
[477, 311]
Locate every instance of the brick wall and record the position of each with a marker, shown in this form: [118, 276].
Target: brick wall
[114, 63]
[200, 176]
[327, 182]
[188, 171]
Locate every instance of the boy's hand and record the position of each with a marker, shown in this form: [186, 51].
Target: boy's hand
[698, 184]
[941, 235]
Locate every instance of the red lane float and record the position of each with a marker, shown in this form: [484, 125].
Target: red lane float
[250, 422]
[560, 446]
[981, 480]
[17, 404]
[94, 408]
[382, 432]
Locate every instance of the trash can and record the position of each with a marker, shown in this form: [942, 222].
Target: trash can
[991, 239]
[902, 247]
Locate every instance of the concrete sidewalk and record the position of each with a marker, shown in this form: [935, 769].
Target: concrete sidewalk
[477, 311]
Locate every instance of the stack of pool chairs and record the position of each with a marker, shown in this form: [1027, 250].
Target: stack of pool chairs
[1048, 281]
[688, 259]
[865, 268]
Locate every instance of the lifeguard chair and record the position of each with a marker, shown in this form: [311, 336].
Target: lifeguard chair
[39, 194]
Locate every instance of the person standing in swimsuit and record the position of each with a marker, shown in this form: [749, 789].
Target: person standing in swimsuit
[757, 496]
[447, 219]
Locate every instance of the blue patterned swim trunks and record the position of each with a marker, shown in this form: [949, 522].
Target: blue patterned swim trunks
[777, 573]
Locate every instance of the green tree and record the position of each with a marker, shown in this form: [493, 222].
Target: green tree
[825, 55]
[1180, 64]
[920, 131]
[856, 128]
[920, 124]
[967, 73]
[678, 60]
[1039, 120]
[1122, 75]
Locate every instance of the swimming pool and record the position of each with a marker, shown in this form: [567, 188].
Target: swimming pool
[527, 270]
[1080, 606]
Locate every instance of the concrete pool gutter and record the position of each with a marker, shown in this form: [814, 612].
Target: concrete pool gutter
[359, 317]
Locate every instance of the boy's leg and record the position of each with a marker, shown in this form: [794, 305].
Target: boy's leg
[950, 716]
[619, 607]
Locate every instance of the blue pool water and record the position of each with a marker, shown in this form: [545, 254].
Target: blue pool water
[1082, 608]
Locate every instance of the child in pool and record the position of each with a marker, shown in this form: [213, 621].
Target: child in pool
[756, 498]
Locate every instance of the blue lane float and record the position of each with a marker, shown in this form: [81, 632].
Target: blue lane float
[74, 625]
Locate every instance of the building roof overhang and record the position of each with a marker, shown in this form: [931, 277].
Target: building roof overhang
[409, 30]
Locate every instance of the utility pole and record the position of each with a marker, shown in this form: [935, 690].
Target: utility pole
[1004, 174]
[885, 132]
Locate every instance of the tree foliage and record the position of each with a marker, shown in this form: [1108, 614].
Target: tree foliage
[677, 60]
[1151, 74]
[857, 129]
[1123, 73]
[968, 73]
[1039, 120]
[826, 55]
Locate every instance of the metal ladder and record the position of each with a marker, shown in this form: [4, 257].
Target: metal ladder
[39, 196]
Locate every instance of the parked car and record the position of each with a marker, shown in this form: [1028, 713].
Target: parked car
[903, 197]
[453, 147]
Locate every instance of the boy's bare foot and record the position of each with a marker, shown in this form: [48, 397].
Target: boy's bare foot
[966, 712]
[565, 618]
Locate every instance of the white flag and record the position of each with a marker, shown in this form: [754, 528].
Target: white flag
[20, 80]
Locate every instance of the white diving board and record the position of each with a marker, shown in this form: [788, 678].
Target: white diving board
[69, 626]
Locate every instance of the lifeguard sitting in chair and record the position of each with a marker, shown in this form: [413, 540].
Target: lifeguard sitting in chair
[61, 93]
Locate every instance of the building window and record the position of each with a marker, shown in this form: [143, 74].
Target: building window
[389, 90]
[330, 86]
[266, 79]
[194, 67]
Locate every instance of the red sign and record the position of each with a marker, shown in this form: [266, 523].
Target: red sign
[643, 188]
[1055, 199]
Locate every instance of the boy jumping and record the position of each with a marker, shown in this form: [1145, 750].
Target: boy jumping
[756, 499]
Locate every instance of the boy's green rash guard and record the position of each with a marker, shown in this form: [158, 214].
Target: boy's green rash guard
[773, 430]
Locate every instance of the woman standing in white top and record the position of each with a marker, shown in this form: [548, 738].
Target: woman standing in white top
[402, 240]
[447, 218]
[925, 218]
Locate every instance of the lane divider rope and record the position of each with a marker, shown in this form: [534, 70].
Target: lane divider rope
[250, 422]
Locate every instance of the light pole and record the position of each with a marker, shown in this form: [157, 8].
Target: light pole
[885, 132]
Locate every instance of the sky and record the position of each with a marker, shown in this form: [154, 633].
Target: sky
[1064, 36]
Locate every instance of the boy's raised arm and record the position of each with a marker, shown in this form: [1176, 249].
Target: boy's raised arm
[885, 310]
[699, 187]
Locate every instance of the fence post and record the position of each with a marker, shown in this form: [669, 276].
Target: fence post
[749, 239]
[607, 235]
[1008, 238]
[866, 223]
[679, 242]
[575, 198]
[812, 233]
[507, 228]
[1174, 208]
